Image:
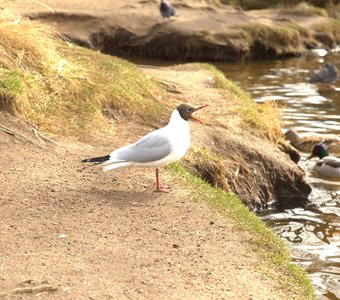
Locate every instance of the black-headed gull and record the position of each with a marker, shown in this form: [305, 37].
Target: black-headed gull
[156, 149]
[166, 9]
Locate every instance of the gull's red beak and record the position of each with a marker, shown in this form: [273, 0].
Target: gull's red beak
[196, 109]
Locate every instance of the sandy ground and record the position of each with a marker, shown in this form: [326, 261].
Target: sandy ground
[86, 234]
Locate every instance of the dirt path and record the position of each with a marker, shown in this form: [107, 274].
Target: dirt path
[95, 235]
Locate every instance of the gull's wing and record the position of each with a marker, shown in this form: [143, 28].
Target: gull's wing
[152, 147]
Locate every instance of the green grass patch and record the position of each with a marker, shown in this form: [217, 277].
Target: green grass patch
[120, 85]
[10, 88]
[263, 239]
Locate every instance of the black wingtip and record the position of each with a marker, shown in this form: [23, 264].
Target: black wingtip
[96, 159]
[86, 160]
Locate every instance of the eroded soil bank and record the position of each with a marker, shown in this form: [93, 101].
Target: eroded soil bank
[201, 31]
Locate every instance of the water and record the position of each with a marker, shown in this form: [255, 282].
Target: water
[313, 231]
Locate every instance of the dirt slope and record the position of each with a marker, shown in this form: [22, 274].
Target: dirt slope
[94, 235]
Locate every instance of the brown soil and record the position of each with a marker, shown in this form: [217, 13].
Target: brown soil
[70, 233]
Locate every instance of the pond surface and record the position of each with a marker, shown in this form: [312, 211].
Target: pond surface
[312, 232]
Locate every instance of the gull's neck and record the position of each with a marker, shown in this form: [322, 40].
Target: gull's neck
[176, 120]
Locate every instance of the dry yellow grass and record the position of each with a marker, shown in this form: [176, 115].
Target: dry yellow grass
[66, 89]
[26, 45]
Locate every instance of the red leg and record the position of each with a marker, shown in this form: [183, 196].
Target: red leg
[160, 188]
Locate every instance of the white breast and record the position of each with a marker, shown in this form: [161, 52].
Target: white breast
[178, 131]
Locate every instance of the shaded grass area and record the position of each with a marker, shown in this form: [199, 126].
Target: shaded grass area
[10, 88]
[289, 39]
[263, 239]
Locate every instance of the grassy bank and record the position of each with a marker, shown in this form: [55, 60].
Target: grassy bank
[65, 89]
[264, 241]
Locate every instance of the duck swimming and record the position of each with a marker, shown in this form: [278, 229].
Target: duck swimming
[327, 166]
[306, 143]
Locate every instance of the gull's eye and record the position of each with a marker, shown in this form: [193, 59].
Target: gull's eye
[189, 109]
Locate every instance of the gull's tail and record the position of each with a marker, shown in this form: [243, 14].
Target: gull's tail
[109, 162]
[98, 160]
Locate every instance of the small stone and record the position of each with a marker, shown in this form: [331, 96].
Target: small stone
[175, 246]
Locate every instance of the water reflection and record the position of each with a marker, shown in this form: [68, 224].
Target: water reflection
[313, 231]
[313, 234]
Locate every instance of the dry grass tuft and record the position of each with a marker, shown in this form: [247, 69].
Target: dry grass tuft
[26, 45]
[311, 9]
[209, 167]
[328, 33]
[66, 89]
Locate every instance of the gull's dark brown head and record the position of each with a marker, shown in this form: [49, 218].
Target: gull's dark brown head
[186, 111]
